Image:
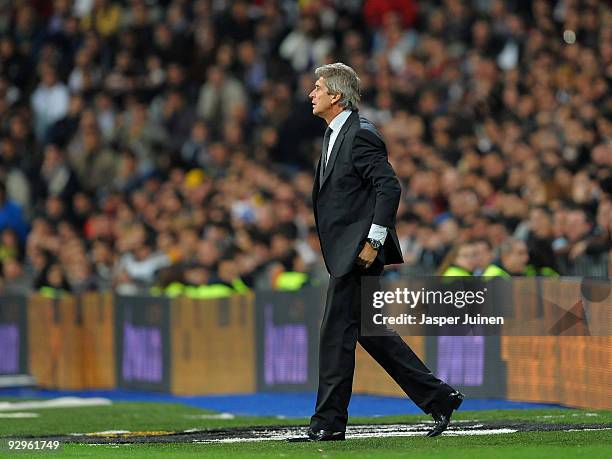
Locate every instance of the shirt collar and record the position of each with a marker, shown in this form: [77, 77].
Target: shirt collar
[337, 123]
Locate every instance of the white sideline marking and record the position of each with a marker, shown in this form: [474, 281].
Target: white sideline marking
[373, 431]
[353, 432]
[554, 416]
[61, 402]
[211, 416]
[587, 429]
[18, 415]
[112, 445]
[104, 432]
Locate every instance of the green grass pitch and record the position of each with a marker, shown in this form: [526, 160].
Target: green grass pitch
[145, 417]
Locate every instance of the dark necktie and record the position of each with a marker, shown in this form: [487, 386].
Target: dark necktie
[328, 133]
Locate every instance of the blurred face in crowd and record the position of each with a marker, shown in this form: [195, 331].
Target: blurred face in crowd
[484, 255]
[497, 232]
[451, 181]
[577, 225]
[228, 270]
[215, 76]
[47, 75]
[163, 35]
[199, 132]
[516, 260]
[11, 269]
[8, 238]
[54, 207]
[18, 128]
[540, 223]
[102, 253]
[449, 231]
[91, 139]
[494, 165]
[207, 253]
[466, 257]
[218, 153]
[142, 252]
[280, 245]
[196, 276]
[604, 214]
[55, 276]
[464, 202]
[582, 188]
[602, 154]
[480, 33]
[52, 159]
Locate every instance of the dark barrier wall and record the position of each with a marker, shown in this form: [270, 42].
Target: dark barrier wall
[212, 345]
[287, 333]
[142, 337]
[287, 338]
[473, 364]
[13, 336]
[268, 341]
[55, 338]
[97, 314]
[572, 370]
[287, 349]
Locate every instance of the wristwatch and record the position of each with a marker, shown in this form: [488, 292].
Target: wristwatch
[374, 243]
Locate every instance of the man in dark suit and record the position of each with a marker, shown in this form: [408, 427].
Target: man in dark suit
[355, 198]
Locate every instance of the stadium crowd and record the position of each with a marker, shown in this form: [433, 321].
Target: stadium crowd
[156, 143]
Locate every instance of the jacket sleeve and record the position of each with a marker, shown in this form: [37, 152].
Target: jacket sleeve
[370, 161]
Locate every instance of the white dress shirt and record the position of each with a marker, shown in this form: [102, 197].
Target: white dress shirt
[377, 232]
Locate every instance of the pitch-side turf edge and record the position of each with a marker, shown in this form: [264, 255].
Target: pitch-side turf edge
[254, 434]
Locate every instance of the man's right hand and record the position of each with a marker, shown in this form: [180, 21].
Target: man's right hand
[367, 256]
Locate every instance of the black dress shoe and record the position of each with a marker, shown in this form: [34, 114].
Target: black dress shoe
[325, 435]
[442, 412]
[319, 435]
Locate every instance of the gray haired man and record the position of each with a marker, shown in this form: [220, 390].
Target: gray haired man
[355, 199]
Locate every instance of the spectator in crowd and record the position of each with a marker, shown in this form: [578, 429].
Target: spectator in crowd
[220, 97]
[484, 255]
[50, 100]
[12, 173]
[11, 215]
[539, 242]
[56, 176]
[10, 246]
[52, 281]
[95, 165]
[15, 280]
[581, 254]
[460, 261]
[513, 260]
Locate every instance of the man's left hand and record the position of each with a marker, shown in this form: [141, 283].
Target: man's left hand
[367, 256]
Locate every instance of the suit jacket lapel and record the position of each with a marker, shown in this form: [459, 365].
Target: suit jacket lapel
[337, 145]
[316, 184]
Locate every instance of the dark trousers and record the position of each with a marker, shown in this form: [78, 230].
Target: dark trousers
[340, 332]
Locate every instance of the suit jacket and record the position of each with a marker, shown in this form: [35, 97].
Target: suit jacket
[359, 188]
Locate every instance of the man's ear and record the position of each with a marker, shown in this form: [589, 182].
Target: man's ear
[336, 98]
